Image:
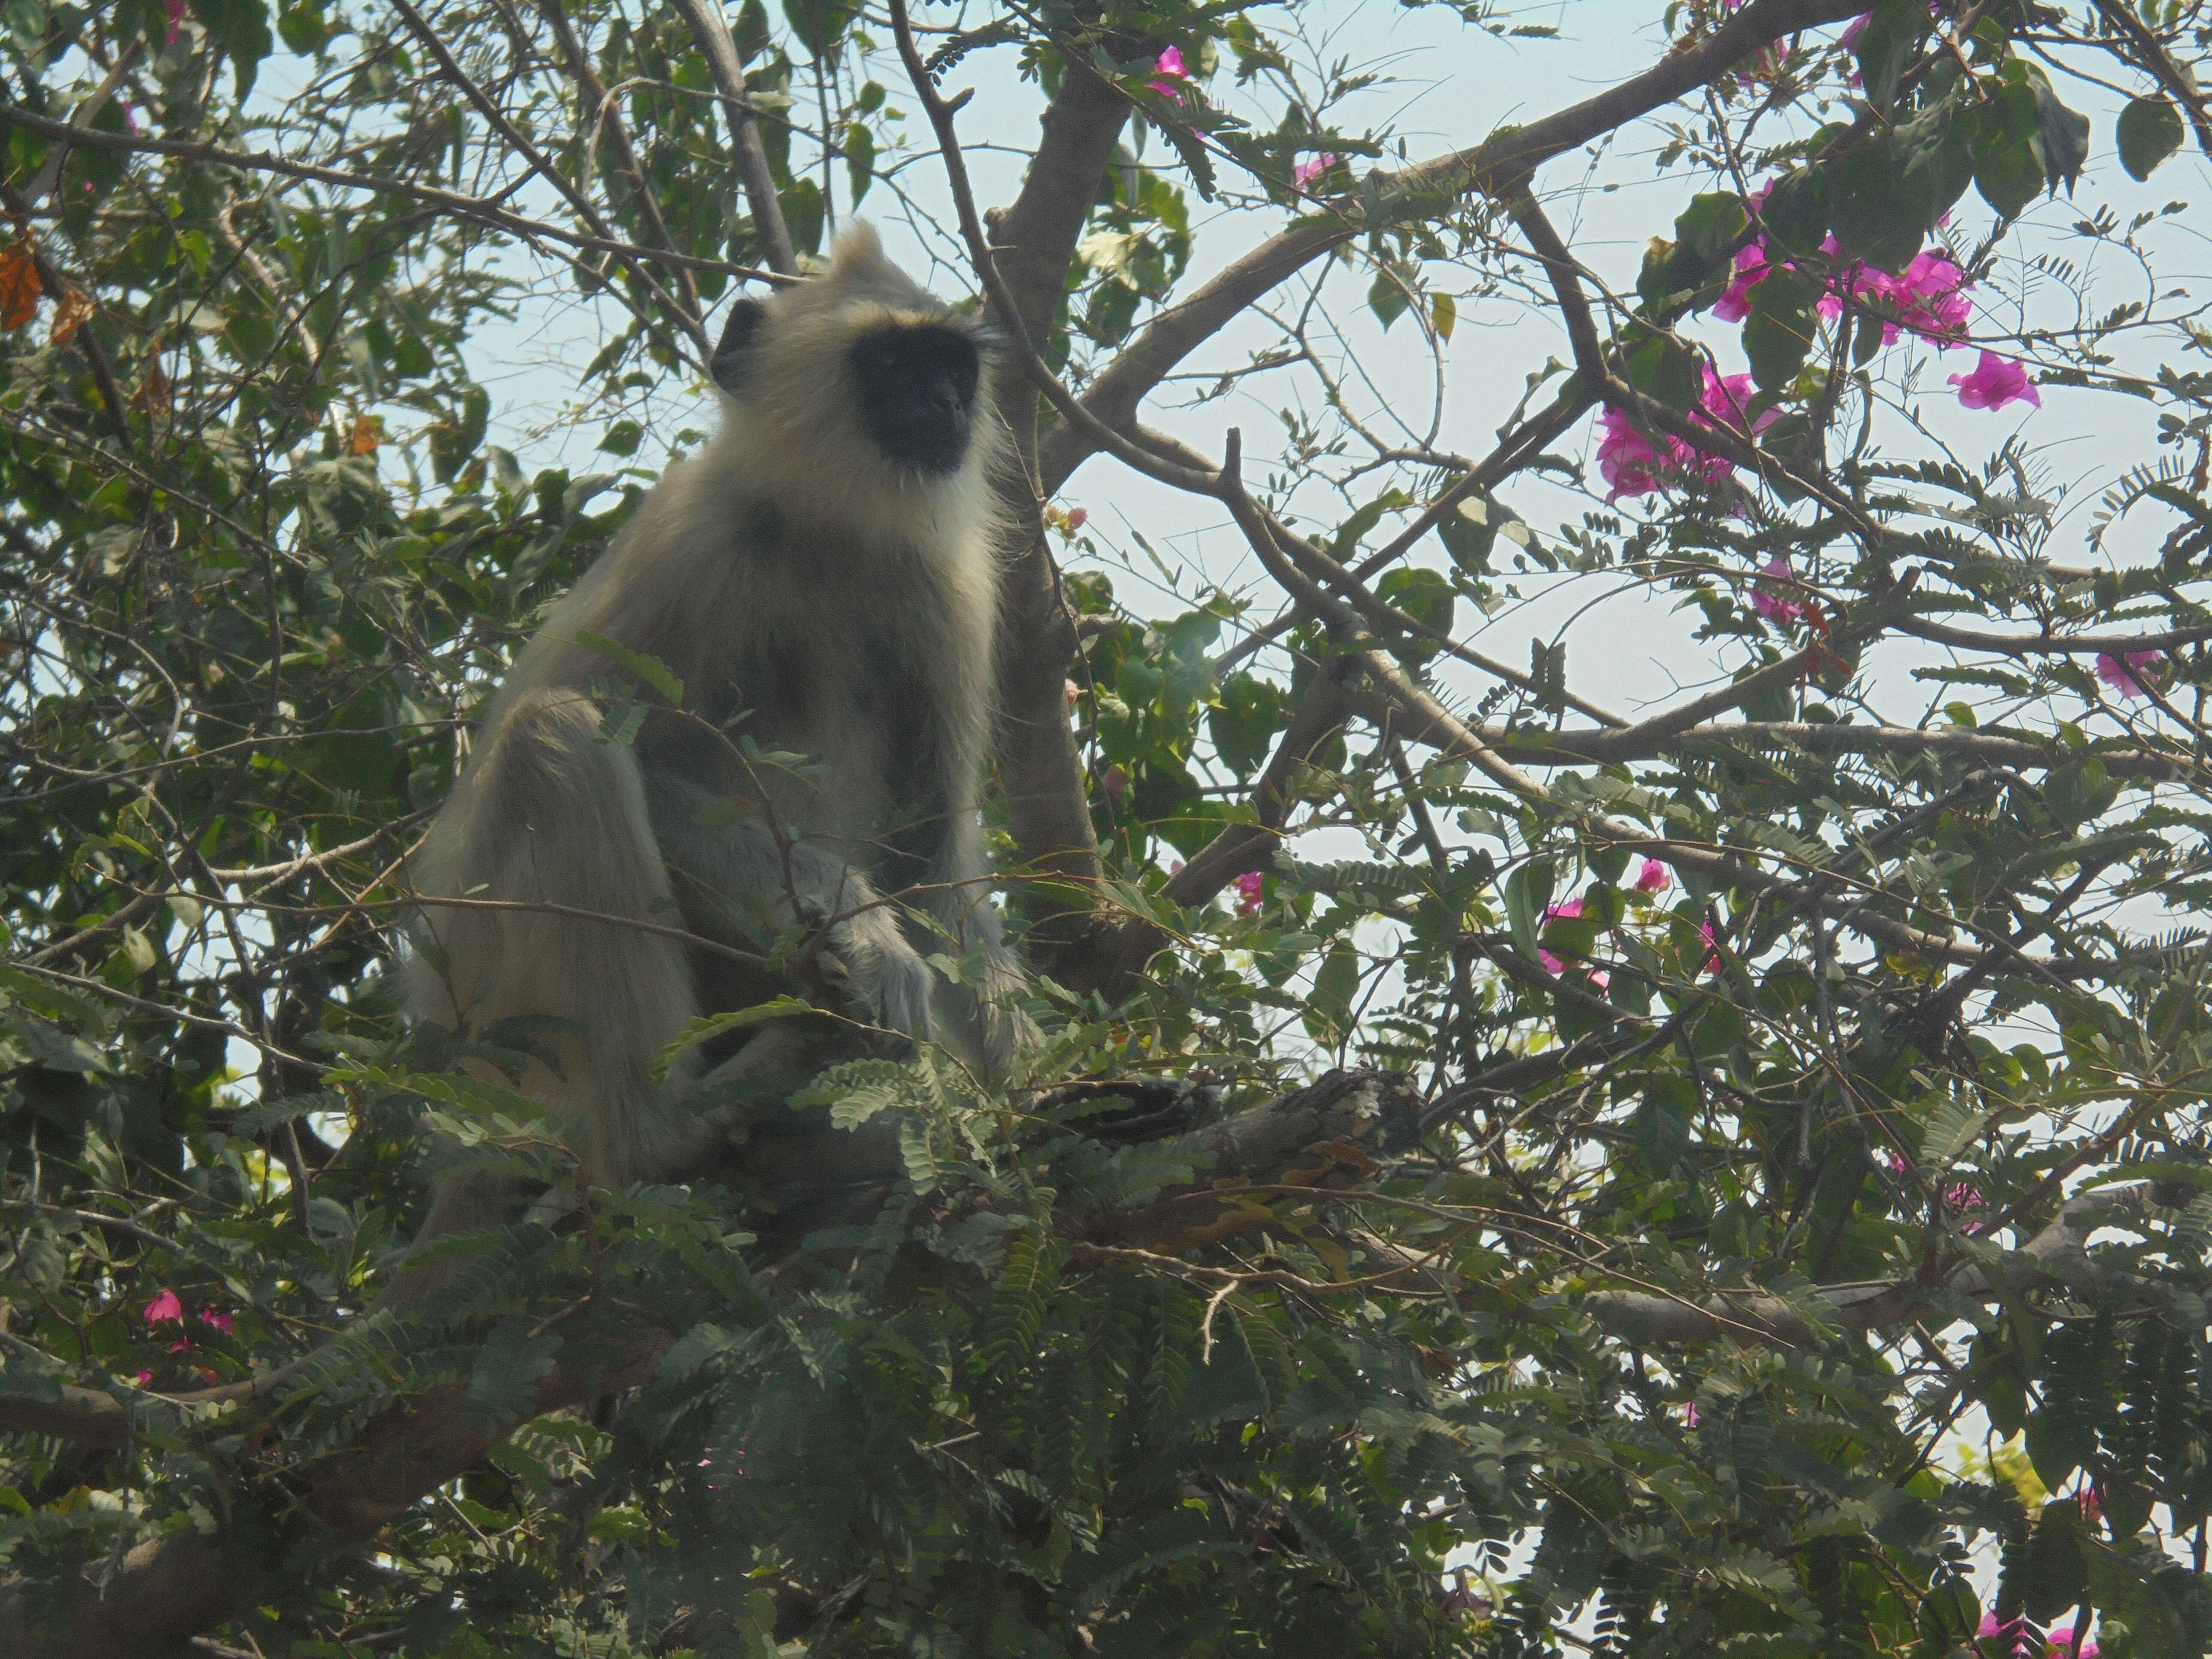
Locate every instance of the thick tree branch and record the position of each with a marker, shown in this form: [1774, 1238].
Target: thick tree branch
[712, 32]
[2057, 1253]
[601, 114]
[1605, 746]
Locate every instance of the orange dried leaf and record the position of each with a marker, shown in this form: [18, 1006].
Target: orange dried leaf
[153, 395]
[73, 314]
[19, 283]
[365, 436]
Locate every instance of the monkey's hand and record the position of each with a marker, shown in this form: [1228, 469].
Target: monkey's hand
[869, 954]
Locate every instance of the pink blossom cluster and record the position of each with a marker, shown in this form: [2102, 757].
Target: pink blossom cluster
[2131, 676]
[1928, 296]
[1247, 887]
[167, 1308]
[1632, 466]
[1173, 77]
[1653, 878]
[1566, 910]
[1770, 599]
[2022, 1640]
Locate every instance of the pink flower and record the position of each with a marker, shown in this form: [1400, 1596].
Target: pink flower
[1963, 1197]
[1170, 63]
[1565, 911]
[2092, 1505]
[2130, 677]
[1893, 1162]
[1849, 40]
[1713, 964]
[1751, 269]
[1996, 382]
[1652, 878]
[1766, 597]
[1931, 297]
[1311, 168]
[1247, 887]
[144, 1379]
[1076, 518]
[165, 1306]
[217, 1318]
[1631, 466]
[2062, 1647]
[1690, 1414]
[176, 10]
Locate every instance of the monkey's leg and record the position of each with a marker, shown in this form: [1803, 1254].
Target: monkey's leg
[552, 815]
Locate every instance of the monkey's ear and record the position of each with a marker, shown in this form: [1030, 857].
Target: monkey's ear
[727, 365]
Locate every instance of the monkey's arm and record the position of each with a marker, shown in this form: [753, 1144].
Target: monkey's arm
[726, 872]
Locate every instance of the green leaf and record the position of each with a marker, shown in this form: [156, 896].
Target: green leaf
[2062, 135]
[1444, 315]
[2008, 171]
[1527, 894]
[1887, 42]
[1880, 213]
[650, 669]
[1386, 298]
[1782, 327]
[859, 160]
[302, 27]
[818, 24]
[1328, 1014]
[2149, 130]
[503, 1387]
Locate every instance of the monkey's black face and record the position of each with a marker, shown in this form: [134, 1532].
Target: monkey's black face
[918, 394]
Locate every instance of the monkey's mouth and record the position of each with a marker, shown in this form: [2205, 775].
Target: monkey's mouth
[932, 447]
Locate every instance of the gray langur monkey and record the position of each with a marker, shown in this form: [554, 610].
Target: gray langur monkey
[820, 579]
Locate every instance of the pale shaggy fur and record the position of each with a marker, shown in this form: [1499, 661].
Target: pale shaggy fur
[844, 606]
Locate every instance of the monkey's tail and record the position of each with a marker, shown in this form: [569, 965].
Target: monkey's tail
[553, 814]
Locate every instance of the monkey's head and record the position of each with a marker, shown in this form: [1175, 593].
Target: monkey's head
[860, 365]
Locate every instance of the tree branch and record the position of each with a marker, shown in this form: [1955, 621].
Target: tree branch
[712, 32]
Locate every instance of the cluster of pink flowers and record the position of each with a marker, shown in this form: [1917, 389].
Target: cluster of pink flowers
[2131, 676]
[1247, 887]
[1770, 599]
[169, 1308]
[1173, 78]
[1567, 911]
[1652, 878]
[1966, 1200]
[1631, 466]
[1929, 296]
[2022, 1640]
